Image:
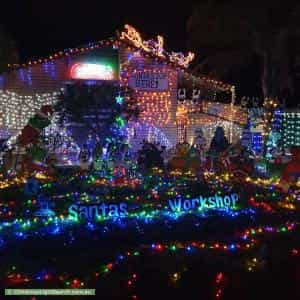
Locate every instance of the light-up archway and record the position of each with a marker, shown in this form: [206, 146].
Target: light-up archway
[138, 131]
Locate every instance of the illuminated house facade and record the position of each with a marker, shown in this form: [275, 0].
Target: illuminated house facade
[172, 102]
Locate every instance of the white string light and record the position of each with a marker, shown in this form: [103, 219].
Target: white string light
[16, 109]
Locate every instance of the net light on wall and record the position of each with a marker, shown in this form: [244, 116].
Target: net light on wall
[291, 128]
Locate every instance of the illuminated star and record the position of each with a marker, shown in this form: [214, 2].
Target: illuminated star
[119, 99]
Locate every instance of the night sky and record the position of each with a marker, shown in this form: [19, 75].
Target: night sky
[41, 27]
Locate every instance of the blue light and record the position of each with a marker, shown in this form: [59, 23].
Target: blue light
[1, 242]
[91, 226]
[256, 142]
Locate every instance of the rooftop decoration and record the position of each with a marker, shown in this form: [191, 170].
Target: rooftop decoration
[135, 38]
[155, 47]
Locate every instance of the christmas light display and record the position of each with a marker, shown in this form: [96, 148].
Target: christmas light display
[154, 84]
[16, 110]
[134, 37]
[137, 131]
[129, 36]
[131, 215]
[269, 107]
[257, 142]
[247, 243]
[60, 143]
[154, 213]
[155, 107]
[277, 124]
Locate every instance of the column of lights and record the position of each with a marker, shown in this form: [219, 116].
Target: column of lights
[257, 142]
[277, 120]
[291, 128]
[270, 106]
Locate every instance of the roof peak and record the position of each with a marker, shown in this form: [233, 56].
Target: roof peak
[131, 36]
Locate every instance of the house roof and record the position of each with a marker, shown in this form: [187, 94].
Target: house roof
[210, 83]
[132, 39]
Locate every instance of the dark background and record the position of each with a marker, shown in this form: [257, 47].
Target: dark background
[41, 27]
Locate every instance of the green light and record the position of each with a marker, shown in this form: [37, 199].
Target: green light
[173, 248]
[120, 122]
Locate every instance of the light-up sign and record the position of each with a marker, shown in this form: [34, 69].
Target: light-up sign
[149, 81]
[99, 210]
[92, 71]
[102, 209]
[200, 203]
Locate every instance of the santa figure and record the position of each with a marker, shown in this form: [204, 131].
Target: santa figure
[200, 143]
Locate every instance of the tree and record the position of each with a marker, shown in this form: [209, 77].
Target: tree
[100, 109]
[8, 51]
[231, 35]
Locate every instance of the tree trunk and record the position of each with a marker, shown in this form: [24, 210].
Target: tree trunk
[276, 79]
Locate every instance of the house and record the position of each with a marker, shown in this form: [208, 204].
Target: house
[173, 103]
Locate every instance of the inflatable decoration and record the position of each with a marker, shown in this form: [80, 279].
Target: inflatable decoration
[36, 124]
[35, 157]
[29, 135]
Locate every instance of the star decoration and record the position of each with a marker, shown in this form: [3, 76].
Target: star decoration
[119, 99]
